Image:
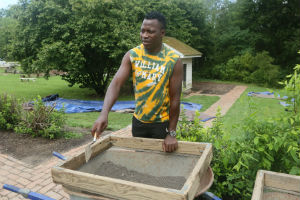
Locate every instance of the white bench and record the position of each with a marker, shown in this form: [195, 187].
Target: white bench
[27, 79]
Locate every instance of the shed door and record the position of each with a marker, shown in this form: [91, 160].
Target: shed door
[184, 75]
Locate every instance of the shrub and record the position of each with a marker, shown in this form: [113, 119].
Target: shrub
[250, 69]
[263, 71]
[10, 110]
[218, 72]
[42, 121]
[264, 144]
[268, 145]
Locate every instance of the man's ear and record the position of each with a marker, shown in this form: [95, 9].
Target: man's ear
[163, 32]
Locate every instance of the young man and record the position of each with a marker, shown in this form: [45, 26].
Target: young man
[157, 80]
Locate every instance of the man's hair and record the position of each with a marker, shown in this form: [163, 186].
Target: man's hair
[157, 15]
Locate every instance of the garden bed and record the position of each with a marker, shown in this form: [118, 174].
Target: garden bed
[212, 88]
[34, 151]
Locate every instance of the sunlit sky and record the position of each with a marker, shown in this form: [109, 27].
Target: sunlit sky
[6, 3]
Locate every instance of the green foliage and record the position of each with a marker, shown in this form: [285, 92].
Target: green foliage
[190, 131]
[7, 28]
[270, 20]
[10, 110]
[250, 69]
[292, 87]
[256, 26]
[87, 39]
[269, 144]
[199, 30]
[42, 121]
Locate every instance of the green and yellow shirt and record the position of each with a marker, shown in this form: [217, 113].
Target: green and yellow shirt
[151, 74]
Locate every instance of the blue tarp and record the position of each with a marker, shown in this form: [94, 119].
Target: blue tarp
[284, 104]
[265, 93]
[272, 93]
[79, 106]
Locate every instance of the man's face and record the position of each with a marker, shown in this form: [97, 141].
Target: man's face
[151, 34]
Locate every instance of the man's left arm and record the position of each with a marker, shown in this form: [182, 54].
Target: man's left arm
[170, 143]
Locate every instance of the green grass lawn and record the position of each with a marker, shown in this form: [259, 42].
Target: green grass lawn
[116, 120]
[11, 84]
[262, 108]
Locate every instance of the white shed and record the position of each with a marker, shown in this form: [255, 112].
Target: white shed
[186, 54]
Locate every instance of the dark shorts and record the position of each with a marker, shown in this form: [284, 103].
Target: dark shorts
[156, 130]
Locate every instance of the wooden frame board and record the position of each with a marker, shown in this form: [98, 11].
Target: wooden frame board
[66, 174]
[276, 181]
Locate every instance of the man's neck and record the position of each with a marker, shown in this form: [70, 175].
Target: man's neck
[155, 50]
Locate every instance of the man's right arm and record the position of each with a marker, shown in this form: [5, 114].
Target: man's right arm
[112, 94]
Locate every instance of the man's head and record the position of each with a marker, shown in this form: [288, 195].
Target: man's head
[152, 31]
[159, 17]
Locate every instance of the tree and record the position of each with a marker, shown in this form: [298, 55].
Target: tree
[86, 39]
[277, 27]
[201, 30]
[257, 26]
[7, 30]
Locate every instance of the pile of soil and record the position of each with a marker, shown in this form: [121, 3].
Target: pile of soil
[211, 88]
[110, 169]
[34, 151]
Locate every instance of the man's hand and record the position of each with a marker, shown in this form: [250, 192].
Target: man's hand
[99, 126]
[170, 144]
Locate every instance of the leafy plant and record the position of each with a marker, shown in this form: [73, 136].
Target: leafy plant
[10, 109]
[264, 144]
[292, 87]
[271, 145]
[42, 121]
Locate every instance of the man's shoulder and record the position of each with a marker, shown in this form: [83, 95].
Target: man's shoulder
[171, 52]
[136, 51]
[139, 47]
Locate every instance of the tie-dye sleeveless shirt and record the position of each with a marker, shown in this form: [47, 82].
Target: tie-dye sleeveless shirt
[151, 74]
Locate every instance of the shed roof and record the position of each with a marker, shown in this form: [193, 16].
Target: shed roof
[181, 48]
